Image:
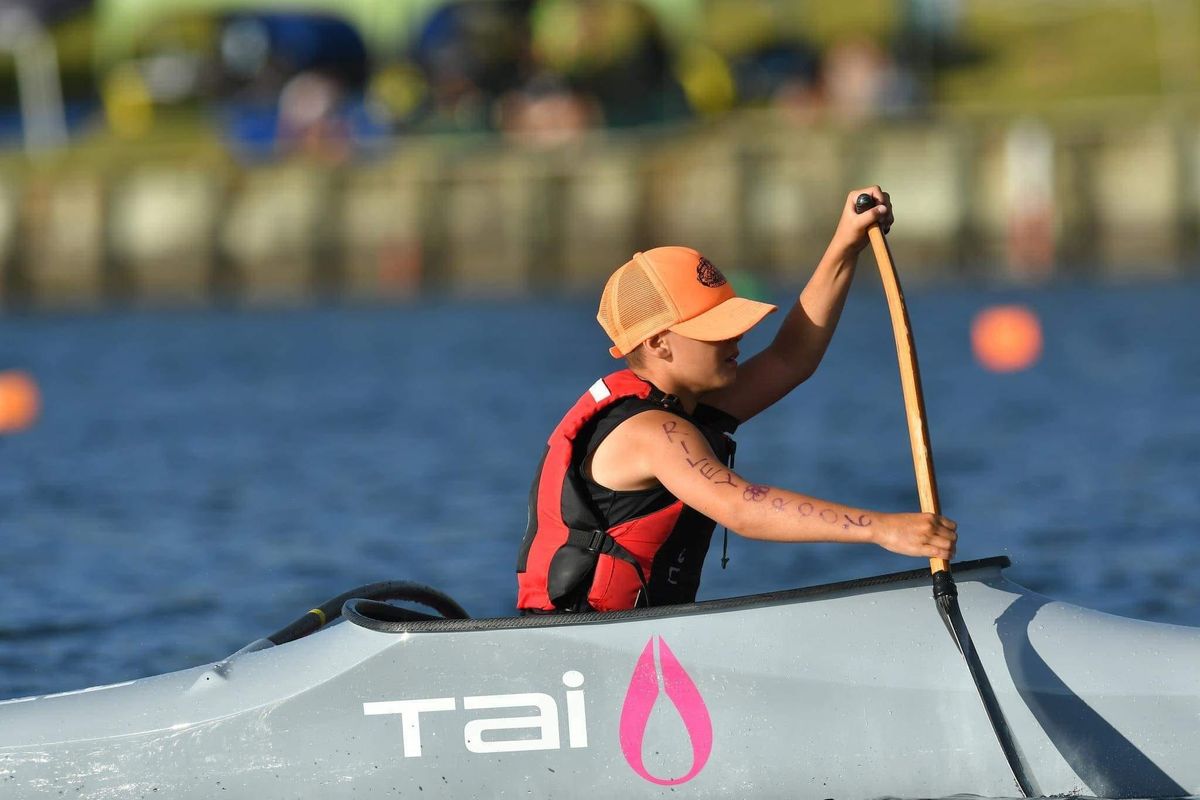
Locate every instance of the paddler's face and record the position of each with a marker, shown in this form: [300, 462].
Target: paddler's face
[705, 366]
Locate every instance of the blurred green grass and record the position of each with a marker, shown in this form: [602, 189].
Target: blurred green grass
[1034, 57]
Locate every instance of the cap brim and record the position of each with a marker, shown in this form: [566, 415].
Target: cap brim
[728, 320]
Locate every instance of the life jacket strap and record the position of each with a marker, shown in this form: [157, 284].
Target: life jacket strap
[601, 543]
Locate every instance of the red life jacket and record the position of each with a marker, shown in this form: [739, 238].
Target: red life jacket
[574, 559]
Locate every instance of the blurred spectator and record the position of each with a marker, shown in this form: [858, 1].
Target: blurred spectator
[293, 83]
[128, 104]
[707, 80]
[260, 52]
[929, 38]
[547, 112]
[763, 57]
[1029, 199]
[777, 72]
[310, 117]
[397, 95]
[613, 50]
[862, 80]
[471, 54]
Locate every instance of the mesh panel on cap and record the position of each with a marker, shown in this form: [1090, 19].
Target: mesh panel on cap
[634, 306]
[605, 315]
[638, 300]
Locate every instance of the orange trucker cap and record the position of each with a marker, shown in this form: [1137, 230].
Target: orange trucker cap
[677, 289]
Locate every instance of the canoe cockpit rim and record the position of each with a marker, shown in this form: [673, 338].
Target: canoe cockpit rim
[373, 615]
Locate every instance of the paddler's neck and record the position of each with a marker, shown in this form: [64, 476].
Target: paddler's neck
[688, 399]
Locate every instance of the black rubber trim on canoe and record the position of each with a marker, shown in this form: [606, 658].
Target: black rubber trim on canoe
[359, 612]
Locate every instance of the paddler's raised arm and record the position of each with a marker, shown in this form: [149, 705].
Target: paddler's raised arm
[802, 339]
[660, 446]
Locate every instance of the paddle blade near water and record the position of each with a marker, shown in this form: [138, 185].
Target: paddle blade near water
[945, 593]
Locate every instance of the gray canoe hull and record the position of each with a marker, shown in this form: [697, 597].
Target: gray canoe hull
[850, 692]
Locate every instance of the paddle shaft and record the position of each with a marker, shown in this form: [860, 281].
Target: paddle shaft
[945, 592]
[910, 382]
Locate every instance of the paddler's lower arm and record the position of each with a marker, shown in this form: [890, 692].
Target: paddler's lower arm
[769, 513]
[678, 456]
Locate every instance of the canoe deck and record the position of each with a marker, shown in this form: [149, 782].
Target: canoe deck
[848, 690]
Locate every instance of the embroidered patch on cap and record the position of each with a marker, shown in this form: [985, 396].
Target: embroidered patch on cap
[708, 274]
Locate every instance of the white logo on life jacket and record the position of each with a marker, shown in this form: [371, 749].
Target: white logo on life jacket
[673, 572]
[545, 722]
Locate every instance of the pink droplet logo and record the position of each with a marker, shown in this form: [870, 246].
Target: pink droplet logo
[639, 702]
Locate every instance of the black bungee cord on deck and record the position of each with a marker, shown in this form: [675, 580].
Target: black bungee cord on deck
[331, 609]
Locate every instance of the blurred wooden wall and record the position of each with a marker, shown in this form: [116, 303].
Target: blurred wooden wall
[977, 199]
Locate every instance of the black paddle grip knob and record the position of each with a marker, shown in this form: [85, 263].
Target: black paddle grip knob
[863, 202]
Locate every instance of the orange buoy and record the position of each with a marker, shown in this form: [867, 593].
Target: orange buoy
[1006, 338]
[20, 401]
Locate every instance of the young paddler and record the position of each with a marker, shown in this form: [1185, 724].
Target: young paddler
[640, 470]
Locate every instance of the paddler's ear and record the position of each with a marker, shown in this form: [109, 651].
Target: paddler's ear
[658, 346]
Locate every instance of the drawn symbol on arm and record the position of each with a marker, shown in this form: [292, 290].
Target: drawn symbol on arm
[726, 478]
[755, 492]
[862, 522]
[828, 515]
[669, 429]
[806, 509]
[779, 504]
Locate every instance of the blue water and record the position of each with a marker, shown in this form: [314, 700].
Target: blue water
[199, 479]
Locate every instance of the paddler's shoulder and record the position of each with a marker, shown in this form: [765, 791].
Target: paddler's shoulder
[651, 426]
[627, 458]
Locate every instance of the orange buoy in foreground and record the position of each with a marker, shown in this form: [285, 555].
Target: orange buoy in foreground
[1006, 338]
[20, 401]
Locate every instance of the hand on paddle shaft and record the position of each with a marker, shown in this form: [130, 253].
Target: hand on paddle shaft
[921, 535]
[851, 233]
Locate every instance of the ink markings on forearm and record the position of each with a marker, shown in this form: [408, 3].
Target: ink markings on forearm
[862, 522]
[831, 517]
[669, 429]
[779, 503]
[755, 493]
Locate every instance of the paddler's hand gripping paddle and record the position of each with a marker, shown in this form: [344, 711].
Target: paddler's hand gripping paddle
[944, 590]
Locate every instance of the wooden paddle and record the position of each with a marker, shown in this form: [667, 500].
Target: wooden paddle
[945, 592]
